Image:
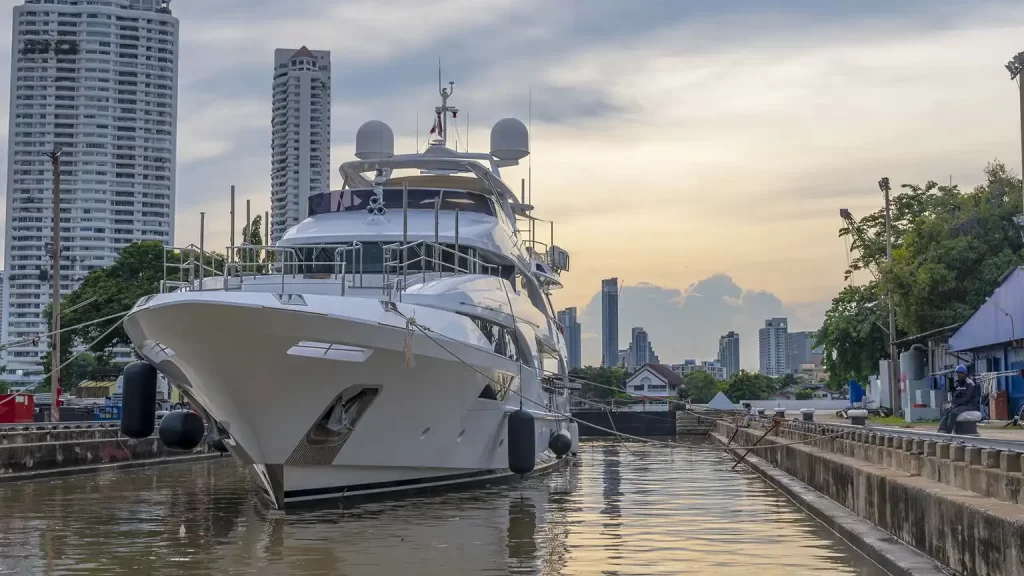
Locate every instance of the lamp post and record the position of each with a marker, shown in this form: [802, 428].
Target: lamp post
[1015, 67]
[883, 185]
[54, 157]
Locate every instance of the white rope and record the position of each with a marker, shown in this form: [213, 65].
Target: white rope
[76, 355]
[34, 338]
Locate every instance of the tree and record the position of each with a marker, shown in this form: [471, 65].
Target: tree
[953, 257]
[611, 381]
[700, 386]
[950, 249]
[804, 394]
[852, 335]
[786, 381]
[745, 385]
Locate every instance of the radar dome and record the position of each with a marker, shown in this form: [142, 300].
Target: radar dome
[510, 140]
[375, 140]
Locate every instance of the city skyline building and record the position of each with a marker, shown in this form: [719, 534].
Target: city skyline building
[774, 348]
[610, 322]
[571, 331]
[800, 346]
[301, 134]
[729, 353]
[640, 345]
[99, 81]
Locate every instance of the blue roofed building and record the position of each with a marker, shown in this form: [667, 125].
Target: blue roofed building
[992, 339]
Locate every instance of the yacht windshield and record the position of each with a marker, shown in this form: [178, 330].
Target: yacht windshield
[419, 199]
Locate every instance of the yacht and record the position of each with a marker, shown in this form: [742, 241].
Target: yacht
[395, 339]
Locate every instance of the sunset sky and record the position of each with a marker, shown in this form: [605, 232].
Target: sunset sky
[699, 151]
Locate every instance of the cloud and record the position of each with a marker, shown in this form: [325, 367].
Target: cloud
[686, 324]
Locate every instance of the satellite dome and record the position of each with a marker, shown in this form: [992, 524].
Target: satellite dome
[510, 140]
[375, 139]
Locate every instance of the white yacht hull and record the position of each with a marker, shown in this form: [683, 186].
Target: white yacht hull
[413, 419]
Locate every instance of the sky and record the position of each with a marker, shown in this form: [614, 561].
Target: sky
[698, 151]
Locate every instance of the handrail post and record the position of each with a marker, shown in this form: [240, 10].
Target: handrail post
[202, 233]
[457, 259]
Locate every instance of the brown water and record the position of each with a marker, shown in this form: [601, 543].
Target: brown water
[645, 510]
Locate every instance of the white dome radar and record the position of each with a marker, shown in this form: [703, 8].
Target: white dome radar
[510, 140]
[374, 139]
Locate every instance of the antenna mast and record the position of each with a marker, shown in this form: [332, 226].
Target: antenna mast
[441, 112]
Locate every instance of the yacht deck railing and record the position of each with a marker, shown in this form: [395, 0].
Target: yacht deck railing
[186, 268]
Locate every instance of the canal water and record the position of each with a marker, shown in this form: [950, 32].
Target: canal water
[622, 509]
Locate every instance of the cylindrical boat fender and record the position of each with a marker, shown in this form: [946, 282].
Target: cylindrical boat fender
[560, 442]
[574, 433]
[182, 430]
[522, 442]
[138, 400]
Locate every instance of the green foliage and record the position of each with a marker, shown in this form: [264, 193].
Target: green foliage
[135, 273]
[951, 258]
[43, 47]
[852, 335]
[606, 377]
[252, 234]
[745, 385]
[804, 394]
[950, 249]
[787, 380]
[700, 386]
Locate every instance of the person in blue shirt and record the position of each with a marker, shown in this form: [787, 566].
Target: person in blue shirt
[966, 397]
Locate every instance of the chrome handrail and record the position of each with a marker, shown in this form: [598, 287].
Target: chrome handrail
[397, 263]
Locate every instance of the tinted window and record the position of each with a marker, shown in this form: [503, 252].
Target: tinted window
[502, 339]
[419, 199]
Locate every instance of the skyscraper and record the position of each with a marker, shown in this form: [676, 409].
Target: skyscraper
[609, 322]
[99, 80]
[301, 138]
[774, 350]
[729, 353]
[571, 332]
[640, 345]
[800, 346]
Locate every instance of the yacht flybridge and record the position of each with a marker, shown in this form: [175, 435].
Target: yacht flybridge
[401, 337]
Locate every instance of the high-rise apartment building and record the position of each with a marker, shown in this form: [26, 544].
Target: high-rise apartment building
[97, 79]
[609, 322]
[301, 134]
[800, 350]
[571, 332]
[774, 348]
[639, 352]
[640, 345]
[729, 353]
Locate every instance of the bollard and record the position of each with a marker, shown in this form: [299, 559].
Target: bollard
[858, 417]
[807, 414]
[780, 413]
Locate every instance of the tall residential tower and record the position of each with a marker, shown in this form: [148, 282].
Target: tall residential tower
[774, 349]
[571, 331]
[729, 353]
[99, 80]
[609, 322]
[301, 134]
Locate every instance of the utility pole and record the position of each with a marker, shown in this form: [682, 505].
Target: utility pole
[1015, 66]
[883, 185]
[54, 157]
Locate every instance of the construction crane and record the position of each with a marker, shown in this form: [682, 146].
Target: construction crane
[858, 237]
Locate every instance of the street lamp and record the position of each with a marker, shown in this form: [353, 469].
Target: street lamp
[1015, 67]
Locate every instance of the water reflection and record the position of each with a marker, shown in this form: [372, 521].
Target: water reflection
[642, 510]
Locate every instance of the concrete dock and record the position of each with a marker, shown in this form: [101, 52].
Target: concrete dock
[961, 506]
[34, 451]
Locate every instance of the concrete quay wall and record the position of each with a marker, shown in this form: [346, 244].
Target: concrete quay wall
[910, 491]
[28, 455]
